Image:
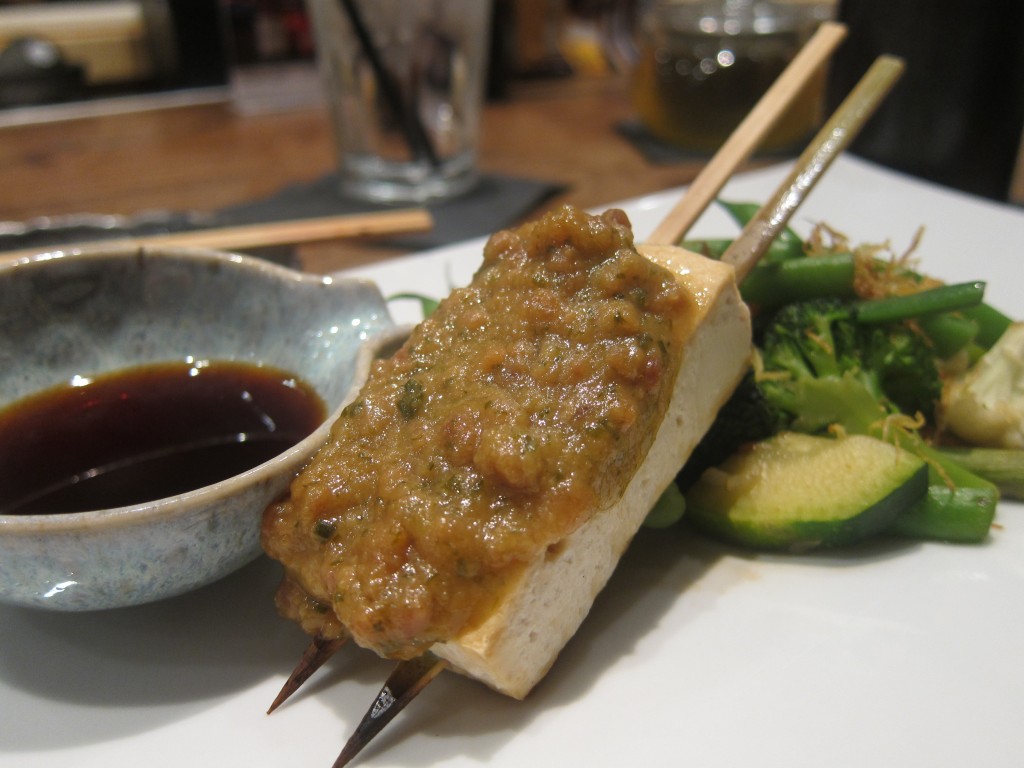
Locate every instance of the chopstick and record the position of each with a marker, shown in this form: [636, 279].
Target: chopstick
[742, 142]
[245, 236]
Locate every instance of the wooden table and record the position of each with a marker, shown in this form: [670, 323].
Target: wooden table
[204, 157]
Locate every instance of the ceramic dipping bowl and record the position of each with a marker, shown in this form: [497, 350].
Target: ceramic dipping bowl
[68, 314]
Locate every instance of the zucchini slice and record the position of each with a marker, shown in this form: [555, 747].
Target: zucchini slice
[796, 492]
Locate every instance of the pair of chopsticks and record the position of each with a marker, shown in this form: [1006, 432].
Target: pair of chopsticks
[248, 236]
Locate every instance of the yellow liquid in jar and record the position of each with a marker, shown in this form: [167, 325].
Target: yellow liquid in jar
[693, 89]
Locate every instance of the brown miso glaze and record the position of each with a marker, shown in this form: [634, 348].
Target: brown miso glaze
[525, 402]
[145, 433]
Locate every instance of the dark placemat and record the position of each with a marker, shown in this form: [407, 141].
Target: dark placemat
[495, 202]
[52, 231]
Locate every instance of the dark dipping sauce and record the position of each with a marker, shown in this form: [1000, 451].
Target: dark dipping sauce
[146, 433]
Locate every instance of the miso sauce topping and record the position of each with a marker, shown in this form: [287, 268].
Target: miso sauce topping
[521, 406]
[145, 433]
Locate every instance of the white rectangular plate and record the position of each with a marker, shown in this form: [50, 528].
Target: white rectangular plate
[898, 654]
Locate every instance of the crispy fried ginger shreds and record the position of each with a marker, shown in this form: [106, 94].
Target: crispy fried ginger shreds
[879, 271]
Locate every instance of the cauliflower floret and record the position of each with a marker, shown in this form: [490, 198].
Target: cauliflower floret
[985, 405]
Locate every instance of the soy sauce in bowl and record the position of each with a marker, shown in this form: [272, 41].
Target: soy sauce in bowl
[147, 433]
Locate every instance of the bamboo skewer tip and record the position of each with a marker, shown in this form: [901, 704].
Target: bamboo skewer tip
[316, 653]
[403, 685]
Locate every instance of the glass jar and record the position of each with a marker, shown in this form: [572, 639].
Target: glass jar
[703, 64]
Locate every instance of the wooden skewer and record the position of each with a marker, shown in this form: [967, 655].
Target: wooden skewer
[748, 135]
[735, 151]
[411, 677]
[401, 687]
[316, 653]
[260, 235]
[701, 193]
[837, 133]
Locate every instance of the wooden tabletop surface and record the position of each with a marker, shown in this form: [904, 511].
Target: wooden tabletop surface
[207, 156]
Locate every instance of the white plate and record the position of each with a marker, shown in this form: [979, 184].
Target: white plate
[895, 655]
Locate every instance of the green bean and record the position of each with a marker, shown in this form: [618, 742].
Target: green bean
[1002, 466]
[991, 323]
[959, 506]
[713, 249]
[787, 245]
[809, 277]
[669, 508]
[949, 332]
[427, 304]
[945, 298]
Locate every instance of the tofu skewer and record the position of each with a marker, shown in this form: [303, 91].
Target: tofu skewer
[735, 151]
[410, 677]
[505, 660]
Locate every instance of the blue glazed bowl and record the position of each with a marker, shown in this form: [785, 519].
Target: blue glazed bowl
[63, 314]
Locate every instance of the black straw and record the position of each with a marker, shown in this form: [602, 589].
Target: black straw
[415, 134]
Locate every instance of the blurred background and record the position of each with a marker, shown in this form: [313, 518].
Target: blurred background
[82, 50]
[956, 118]
[957, 115]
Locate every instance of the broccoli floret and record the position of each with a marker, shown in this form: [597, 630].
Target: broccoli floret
[905, 367]
[824, 367]
[821, 367]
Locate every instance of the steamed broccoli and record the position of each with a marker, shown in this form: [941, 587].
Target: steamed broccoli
[820, 367]
[847, 340]
[817, 367]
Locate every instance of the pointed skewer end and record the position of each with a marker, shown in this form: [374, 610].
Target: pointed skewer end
[404, 683]
[316, 653]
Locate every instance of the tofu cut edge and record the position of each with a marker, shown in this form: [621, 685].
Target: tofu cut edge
[513, 648]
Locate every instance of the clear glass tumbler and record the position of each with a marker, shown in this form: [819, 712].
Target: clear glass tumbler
[404, 81]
